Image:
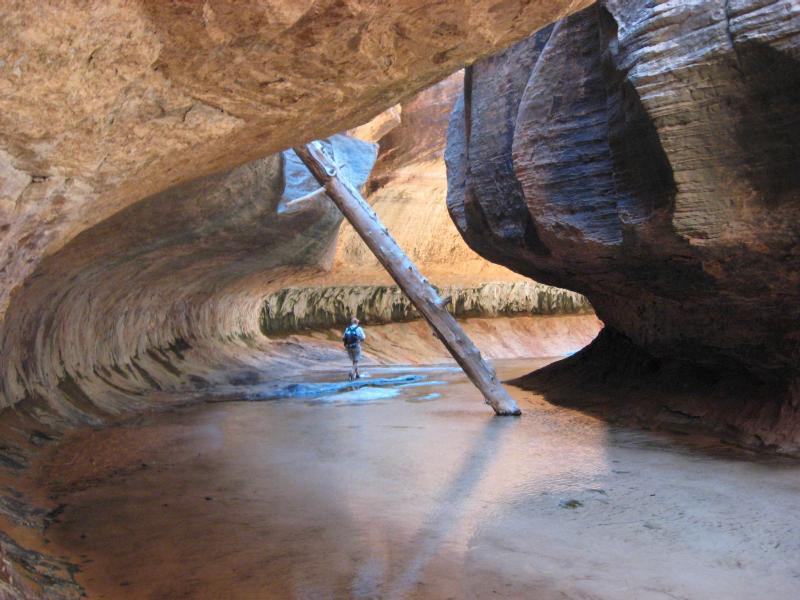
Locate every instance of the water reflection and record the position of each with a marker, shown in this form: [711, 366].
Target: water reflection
[417, 491]
[448, 508]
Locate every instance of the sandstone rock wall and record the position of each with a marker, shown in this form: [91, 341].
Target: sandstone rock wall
[295, 309]
[141, 211]
[408, 188]
[497, 337]
[105, 103]
[646, 155]
[188, 264]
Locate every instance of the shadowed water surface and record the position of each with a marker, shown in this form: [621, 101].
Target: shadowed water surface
[405, 486]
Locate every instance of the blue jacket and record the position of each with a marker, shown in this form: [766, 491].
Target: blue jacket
[359, 333]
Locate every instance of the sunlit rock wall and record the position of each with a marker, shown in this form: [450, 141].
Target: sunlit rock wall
[296, 309]
[645, 154]
[142, 218]
[111, 311]
[106, 102]
[408, 190]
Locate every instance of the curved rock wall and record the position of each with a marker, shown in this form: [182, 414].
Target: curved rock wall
[103, 106]
[645, 155]
[408, 188]
[192, 263]
[104, 103]
[297, 309]
[162, 297]
[142, 214]
[498, 338]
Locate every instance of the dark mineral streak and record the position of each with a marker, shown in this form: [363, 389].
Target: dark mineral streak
[647, 155]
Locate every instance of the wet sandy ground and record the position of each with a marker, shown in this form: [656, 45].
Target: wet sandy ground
[411, 489]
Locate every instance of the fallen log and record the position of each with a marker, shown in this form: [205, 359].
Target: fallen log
[419, 290]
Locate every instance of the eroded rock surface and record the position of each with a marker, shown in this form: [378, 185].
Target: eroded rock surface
[295, 309]
[646, 155]
[142, 213]
[103, 104]
[135, 285]
[408, 189]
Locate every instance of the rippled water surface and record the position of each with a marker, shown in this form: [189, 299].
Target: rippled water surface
[408, 487]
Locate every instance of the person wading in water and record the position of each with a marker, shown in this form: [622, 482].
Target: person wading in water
[352, 338]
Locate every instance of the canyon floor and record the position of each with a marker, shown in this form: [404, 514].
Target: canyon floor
[407, 487]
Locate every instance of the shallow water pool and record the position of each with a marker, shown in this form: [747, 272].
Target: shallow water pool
[412, 489]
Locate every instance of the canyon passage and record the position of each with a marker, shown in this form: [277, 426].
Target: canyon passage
[326, 496]
[604, 197]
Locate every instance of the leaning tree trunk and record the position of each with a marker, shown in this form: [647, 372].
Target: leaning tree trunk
[405, 273]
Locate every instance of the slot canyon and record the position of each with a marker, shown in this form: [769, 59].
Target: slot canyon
[605, 195]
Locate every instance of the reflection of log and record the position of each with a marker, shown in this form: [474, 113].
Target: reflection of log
[405, 273]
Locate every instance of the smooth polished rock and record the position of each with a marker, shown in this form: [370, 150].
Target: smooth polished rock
[646, 155]
[104, 103]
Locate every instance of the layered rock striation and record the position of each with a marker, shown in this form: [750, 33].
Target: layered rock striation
[112, 246]
[105, 317]
[294, 309]
[103, 104]
[646, 155]
[146, 206]
[408, 190]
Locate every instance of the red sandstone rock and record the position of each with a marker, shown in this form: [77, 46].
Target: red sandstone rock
[646, 155]
[141, 219]
[103, 106]
[103, 103]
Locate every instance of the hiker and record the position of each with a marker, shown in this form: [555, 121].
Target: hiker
[352, 338]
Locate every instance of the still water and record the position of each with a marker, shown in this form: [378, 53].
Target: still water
[408, 487]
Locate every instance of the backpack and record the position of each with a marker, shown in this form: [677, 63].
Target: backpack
[350, 337]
